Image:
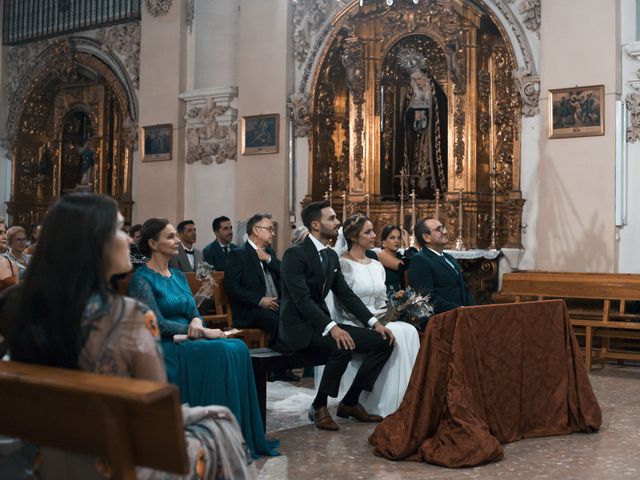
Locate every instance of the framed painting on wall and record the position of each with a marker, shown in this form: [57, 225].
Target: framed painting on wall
[157, 142]
[576, 112]
[260, 134]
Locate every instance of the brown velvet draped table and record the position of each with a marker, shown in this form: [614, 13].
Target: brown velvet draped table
[489, 375]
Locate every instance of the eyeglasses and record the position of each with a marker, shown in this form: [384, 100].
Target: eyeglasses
[441, 229]
[269, 229]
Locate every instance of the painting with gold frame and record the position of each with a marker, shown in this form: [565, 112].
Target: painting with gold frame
[157, 142]
[576, 112]
[260, 134]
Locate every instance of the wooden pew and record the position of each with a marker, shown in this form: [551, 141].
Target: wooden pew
[609, 319]
[223, 318]
[129, 422]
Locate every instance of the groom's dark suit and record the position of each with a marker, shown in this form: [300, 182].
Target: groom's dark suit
[305, 282]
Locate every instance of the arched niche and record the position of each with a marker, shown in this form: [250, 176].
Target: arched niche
[471, 64]
[70, 83]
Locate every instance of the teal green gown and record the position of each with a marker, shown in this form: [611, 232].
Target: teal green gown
[207, 372]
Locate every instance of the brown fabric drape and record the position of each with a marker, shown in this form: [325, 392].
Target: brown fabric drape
[488, 375]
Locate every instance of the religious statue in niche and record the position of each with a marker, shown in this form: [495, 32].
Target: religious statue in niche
[414, 122]
[86, 164]
[418, 123]
[45, 172]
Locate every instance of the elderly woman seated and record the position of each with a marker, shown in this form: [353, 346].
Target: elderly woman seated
[17, 243]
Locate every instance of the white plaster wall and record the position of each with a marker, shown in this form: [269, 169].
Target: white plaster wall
[530, 187]
[209, 193]
[628, 260]
[575, 228]
[158, 187]
[264, 67]
[216, 43]
[209, 190]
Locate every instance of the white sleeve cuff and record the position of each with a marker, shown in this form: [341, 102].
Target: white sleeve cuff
[372, 321]
[328, 328]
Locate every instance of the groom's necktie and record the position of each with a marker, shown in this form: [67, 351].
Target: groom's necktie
[324, 255]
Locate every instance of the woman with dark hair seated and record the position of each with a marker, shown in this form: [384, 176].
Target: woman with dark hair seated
[207, 367]
[395, 264]
[64, 315]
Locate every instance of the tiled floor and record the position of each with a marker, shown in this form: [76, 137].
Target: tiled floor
[308, 453]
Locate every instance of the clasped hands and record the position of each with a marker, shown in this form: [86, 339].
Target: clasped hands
[345, 342]
[197, 330]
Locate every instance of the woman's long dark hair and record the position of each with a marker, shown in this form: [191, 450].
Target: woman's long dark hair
[45, 311]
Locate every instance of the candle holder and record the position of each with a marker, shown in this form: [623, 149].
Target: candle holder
[368, 205]
[493, 245]
[331, 187]
[459, 242]
[436, 213]
[344, 205]
[412, 238]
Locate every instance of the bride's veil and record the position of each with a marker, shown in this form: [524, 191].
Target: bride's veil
[341, 244]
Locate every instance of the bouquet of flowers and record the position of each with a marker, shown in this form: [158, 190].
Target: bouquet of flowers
[204, 273]
[406, 306]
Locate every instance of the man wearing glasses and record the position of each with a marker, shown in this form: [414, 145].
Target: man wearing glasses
[252, 282]
[436, 273]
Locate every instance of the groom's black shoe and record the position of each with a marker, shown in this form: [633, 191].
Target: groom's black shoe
[322, 418]
[358, 412]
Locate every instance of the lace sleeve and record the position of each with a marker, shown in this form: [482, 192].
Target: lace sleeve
[187, 289]
[141, 289]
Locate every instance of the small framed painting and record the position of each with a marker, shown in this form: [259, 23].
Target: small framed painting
[260, 134]
[576, 112]
[157, 142]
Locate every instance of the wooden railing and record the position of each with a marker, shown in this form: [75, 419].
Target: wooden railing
[28, 20]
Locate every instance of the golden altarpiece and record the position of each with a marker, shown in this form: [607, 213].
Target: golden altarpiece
[69, 130]
[372, 142]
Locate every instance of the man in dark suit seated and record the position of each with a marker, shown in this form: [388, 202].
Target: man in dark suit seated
[309, 270]
[252, 282]
[252, 278]
[436, 273]
[216, 252]
[188, 257]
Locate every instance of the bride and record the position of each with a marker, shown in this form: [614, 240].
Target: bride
[366, 277]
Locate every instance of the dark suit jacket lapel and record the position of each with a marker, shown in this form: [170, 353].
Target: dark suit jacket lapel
[255, 261]
[314, 258]
[441, 260]
[455, 263]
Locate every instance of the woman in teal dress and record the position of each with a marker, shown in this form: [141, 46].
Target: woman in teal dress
[208, 368]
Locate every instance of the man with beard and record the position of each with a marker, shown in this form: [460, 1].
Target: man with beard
[309, 270]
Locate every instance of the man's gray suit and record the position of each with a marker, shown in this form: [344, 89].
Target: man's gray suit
[181, 260]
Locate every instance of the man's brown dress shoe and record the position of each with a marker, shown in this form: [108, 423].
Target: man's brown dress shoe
[322, 418]
[358, 412]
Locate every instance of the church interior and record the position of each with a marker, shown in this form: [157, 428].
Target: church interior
[514, 123]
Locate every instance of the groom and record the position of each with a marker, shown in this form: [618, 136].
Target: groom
[308, 271]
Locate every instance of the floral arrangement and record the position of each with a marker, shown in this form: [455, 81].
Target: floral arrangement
[204, 273]
[406, 306]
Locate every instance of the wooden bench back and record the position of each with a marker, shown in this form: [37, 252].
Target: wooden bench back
[129, 422]
[192, 280]
[223, 304]
[600, 286]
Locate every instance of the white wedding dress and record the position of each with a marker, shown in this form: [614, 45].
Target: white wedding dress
[367, 282]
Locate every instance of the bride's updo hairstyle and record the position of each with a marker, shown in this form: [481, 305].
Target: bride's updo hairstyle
[352, 227]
